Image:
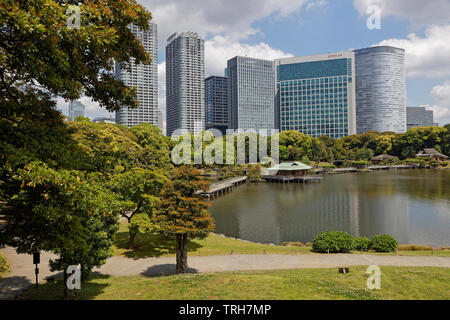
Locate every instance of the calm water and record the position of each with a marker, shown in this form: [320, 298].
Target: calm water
[411, 205]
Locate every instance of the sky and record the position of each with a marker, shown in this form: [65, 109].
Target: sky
[272, 29]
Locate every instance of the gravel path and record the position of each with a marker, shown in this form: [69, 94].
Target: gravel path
[22, 274]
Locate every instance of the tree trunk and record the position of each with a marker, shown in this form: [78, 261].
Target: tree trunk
[66, 290]
[131, 240]
[182, 250]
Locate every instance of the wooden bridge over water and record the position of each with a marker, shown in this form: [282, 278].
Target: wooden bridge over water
[219, 188]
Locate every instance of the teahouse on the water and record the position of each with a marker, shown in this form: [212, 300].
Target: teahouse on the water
[291, 169]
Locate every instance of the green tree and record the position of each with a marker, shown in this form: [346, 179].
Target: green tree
[137, 191]
[182, 214]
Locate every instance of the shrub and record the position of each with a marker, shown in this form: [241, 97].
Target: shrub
[362, 244]
[334, 242]
[413, 247]
[383, 243]
[444, 164]
[308, 245]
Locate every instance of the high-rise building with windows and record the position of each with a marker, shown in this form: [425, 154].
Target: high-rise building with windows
[216, 103]
[144, 78]
[419, 117]
[316, 94]
[185, 83]
[160, 120]
[380, 89]
[251, 94]
[76, 109]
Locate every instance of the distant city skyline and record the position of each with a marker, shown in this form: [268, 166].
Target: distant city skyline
[278, 29]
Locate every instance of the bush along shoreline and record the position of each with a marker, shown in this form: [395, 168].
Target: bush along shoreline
[342, 242]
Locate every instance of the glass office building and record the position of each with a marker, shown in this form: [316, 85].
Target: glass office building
[216, 103]
[76, 109]
[316, 94]
[251, 94]
[419, 117]
[185, 83]
[144, 78]
[381, 89]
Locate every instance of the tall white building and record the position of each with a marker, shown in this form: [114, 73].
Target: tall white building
[76, 109]
[145, 79]
[185, 83]
[380, 89]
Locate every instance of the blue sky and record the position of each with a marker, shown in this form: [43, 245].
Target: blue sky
[277, 28]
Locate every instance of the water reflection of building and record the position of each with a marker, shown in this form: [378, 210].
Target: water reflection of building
[277, 213]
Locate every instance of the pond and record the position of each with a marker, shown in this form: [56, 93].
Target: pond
[411, 205]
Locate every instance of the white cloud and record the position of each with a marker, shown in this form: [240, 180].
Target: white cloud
[232, 18]
[427, 56]
[220, 49]
[419, 12]
[441, 96]
[93, 110]
[162, 86]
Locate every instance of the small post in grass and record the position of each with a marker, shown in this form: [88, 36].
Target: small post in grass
[36, 261]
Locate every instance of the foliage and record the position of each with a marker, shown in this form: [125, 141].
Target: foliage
[181, 213]
[137, 191]
[414, 247]
[333, 242]
[4, 265]
[39, 47]
[362, 244]
[383, 243]
[360, 164]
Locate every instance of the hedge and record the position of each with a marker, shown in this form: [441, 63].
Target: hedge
[333, 242]
[383, 243]
[362, 244]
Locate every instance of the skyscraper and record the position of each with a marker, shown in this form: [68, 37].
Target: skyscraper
[251, 94]
[316, 94]
[185, 83]
[76, 109]
[144, 78]
[419, 117]
[160, 120]
[216, 103]
[380, 89]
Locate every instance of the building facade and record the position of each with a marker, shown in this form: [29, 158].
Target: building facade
[380, 89]
[76, 109]
[316, 94]
[109, 119]
[419, 117]
[251, 94]
[216, 103]
[144, 78]
[160, 120]
[185, 83]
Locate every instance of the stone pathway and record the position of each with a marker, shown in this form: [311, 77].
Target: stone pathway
[22, 274]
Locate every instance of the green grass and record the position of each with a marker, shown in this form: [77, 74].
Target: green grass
[152, 245]
[306, 284]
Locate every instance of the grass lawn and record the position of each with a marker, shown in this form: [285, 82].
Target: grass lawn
[306, 284]
[151, 245]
